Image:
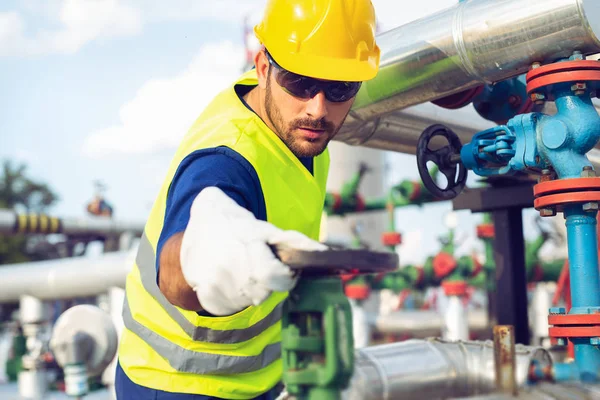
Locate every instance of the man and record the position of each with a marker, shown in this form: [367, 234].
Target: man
[202, 319]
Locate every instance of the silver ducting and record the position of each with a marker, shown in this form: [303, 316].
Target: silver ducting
[426, 323]
[400, 130]
[432, 369]
[65, 278]
[472, 43]
[548, 391]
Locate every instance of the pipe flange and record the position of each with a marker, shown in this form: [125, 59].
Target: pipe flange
[455, 288]
[391, 238]
[584, 74]
[558, 193]
[574, 325]
[486, 231]
[357, 292]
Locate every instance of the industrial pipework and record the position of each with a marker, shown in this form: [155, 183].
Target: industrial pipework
[349, 200]
[319, 361]
[436, 369]
[84, 341]
[14, 223]
[316, 326]
[555, 148]
[65, 278]
[472, 43]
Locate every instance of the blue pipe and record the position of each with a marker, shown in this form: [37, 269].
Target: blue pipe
[562, 372]
[585, 283]
[536, 142]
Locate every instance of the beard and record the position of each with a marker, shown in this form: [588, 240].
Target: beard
[299, 146]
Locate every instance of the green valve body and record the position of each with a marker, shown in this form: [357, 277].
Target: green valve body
[317, 343]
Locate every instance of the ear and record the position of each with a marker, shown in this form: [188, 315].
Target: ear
[262, 68]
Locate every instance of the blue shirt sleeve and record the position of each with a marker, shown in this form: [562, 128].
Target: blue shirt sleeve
[221, 167]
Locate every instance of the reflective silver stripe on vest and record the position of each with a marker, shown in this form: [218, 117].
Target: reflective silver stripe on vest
[194, 362]
[147, 265]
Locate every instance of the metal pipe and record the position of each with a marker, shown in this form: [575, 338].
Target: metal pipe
[504, 359]
[585, 283]
[65, 278]
[15, 223]
[456, 323]
[400, 130]
[471, 43]
[425, 323]
[547, 391]
[432, 369]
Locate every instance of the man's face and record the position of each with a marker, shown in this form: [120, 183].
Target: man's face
[305, 125]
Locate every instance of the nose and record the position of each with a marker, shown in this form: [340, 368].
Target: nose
[316, 107]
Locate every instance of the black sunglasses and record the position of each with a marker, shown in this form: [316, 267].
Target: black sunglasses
[305, 87]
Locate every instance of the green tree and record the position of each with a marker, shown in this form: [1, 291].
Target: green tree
[22, 193]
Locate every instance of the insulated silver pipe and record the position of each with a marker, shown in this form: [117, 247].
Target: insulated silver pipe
[548, 391]
[432, 369]
[400, 130]
[15, 223]
[425, 323]
[65, 278]
[472, 43]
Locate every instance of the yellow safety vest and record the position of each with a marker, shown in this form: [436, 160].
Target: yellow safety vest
[168, 348]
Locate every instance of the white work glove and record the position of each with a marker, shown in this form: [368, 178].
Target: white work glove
[225, 255]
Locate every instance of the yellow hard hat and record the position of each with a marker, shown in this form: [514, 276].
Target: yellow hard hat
[324, 39]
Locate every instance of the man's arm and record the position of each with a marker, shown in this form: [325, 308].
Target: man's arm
[220, 167]
[171, 281]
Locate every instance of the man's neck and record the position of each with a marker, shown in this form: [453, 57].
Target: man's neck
[256, 102]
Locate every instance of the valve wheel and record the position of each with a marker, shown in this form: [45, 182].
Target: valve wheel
[447, 160]
[333, 262]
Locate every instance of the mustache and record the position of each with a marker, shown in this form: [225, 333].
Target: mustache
[320, 124]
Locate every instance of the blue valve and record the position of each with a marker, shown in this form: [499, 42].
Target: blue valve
[535, 142]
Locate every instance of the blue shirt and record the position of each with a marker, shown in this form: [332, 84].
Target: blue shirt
[236, 177]
[221, 167]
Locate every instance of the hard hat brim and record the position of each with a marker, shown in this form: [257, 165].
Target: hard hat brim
[328, 68]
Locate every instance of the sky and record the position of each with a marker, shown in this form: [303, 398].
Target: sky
[105, 89]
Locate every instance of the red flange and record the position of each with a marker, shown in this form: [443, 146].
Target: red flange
[560, 192]
[391, 238]
[574, 331]
[581, 71]
[574, 319]
[357, 292]
[454, 288]
[574, 325]
[485, 231]
[564, 185]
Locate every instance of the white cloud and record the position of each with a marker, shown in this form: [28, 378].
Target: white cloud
[78, 21]
[192, 10]
[86, 20]
[11, 32]
[164, 109]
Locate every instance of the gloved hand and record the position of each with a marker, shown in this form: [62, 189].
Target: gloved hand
[225, 255]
